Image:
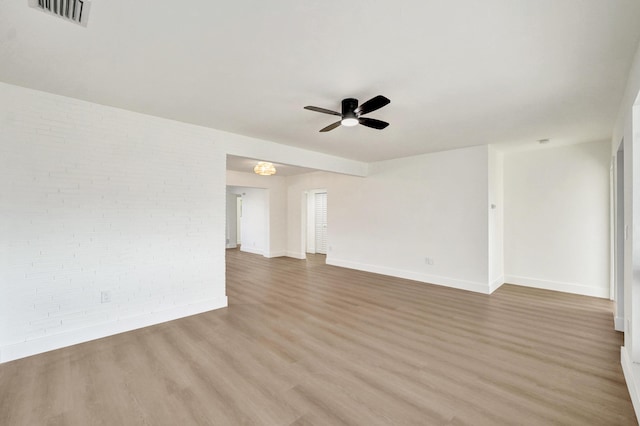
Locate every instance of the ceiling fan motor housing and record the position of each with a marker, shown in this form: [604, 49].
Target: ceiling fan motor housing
[349, 106]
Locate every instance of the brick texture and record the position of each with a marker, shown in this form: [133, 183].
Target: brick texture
[96, 199]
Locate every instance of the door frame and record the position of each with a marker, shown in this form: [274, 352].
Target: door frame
[619, 232]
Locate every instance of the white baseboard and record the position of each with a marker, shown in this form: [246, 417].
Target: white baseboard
[275, 254]
[61, 340]
[632, 377]
[296, 255]
[478, 287]
[251, 250]
[618, 323]
[573, 288]
[496, 284]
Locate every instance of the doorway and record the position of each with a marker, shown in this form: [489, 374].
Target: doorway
[316, 226]
[248, 219]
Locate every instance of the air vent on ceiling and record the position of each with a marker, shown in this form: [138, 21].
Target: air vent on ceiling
[71, 10]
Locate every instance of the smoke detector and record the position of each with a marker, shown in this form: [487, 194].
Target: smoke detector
[70, 10]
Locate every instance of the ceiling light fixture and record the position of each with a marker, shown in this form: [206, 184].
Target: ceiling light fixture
[349, 122]
[264, 168]
[349, 119]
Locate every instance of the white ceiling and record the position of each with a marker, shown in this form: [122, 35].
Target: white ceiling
[458, 73]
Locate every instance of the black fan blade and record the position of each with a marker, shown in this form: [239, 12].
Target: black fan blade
[326, 111]
[371, 122]
[372, 105]
[331, 126]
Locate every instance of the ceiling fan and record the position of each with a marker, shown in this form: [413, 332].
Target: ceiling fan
[352, 113]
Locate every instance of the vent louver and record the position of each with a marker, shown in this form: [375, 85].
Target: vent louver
[71, 10]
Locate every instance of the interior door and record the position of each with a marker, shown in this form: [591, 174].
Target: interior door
[321, 222]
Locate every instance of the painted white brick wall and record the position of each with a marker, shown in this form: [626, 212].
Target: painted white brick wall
[95, 199]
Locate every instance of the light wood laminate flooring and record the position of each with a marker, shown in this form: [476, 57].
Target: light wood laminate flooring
[303, 343]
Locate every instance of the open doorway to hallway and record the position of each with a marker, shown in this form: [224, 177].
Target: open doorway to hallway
[316, 226]
[247, 218]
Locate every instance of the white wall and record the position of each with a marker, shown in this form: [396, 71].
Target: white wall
[557, 218]
[99, 199]
[276, 204]
[433, 205]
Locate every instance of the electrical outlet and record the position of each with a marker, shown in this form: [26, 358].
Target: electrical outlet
[105, 297]
[428, 260]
